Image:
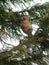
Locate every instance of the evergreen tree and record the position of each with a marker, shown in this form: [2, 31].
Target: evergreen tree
[30, 51]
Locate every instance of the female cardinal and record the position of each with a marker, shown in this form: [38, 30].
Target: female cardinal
[26, 25]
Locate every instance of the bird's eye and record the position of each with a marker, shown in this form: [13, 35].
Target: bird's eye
[24, 18]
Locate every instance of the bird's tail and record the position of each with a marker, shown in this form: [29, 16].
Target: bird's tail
[30, 36]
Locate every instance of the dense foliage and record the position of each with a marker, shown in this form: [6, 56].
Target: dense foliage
[30, 51]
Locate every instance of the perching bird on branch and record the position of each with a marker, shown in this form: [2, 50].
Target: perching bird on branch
[26, 25]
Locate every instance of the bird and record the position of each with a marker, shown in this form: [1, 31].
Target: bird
[26, 25]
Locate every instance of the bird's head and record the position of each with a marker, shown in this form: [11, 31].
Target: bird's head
[25, 17]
